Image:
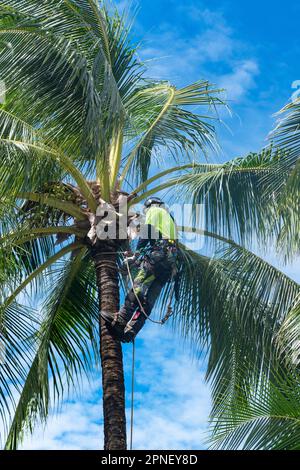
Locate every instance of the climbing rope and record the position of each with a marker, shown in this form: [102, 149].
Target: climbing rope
[161, 322]
[132, 394]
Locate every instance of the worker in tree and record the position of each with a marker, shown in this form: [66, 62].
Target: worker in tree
[156, 258]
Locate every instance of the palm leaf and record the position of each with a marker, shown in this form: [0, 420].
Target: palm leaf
[234, 196]
[232, 307]
[270, 420]
[63, 342]
[159, 118]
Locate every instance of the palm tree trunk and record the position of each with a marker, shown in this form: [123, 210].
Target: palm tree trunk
[111, 355]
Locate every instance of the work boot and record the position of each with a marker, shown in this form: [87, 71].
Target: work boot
[134, 326]
[128, 335]
[115, 322]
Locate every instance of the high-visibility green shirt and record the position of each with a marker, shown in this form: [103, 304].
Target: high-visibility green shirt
[161, 220]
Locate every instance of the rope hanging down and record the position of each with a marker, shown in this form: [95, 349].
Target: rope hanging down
[161, 322]
[132, 395]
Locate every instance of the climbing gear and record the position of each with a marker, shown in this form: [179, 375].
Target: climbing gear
[129, 332]
[138, 300]
[133, 261]
[125, 330]
[112, 318]
[153, 200]
[107, 316]
[156, 265]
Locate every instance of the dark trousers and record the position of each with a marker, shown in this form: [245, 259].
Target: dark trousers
[147, 287]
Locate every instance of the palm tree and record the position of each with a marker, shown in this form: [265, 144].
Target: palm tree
[79, 126]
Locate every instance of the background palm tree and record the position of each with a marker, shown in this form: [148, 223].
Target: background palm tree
[80, 126]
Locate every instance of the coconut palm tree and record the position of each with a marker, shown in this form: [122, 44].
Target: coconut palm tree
[80, 126]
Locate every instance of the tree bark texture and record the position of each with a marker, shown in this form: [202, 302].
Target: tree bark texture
[111, 354]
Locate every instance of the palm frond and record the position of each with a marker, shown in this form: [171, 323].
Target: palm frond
[33, 161]
[253, 298]
[21, 322]
[287, 135]
[288, 338]
[234, 197]
[232, 306]
[63, 345]
[80, 68]
[287, 132]
[158, 117]
[52, 88]
[269, 420]
[288, 241]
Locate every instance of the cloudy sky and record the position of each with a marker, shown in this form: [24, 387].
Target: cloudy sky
[250, 49]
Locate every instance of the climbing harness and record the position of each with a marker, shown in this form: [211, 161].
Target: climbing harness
[169, 312]
[147, 253]
[137, 298]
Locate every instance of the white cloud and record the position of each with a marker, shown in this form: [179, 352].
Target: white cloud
[171, 56]
[172, 412]
[216, 40]
[171, 409]
[242, 79]
[77, 425]
[213, 45]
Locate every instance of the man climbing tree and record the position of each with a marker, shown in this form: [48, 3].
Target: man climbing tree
[156, 257]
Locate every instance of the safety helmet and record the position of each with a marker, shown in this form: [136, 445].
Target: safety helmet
[153, 200]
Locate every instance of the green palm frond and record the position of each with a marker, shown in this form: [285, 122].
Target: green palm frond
[252, 300]
[21, 250]
[34, 275]
[289, 202]
[80, 69]
[27, 246]
[159, 118]
[24, 169]
[232, 306]
[269, 420]
[26, 166]
[287, 132]
[288, 338]
[287, 136]
[234, 196]
[63, 344]
[21, 322]
[190, 314]
[56, 84]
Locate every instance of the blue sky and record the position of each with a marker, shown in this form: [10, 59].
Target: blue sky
[249, 48]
